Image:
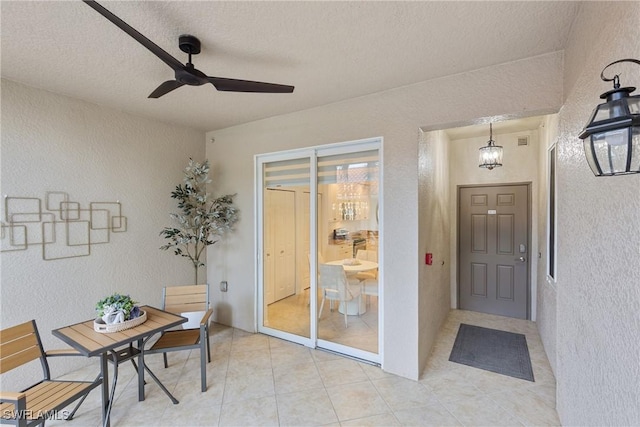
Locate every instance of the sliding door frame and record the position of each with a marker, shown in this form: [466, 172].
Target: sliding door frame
[260, 160]
[312, 153]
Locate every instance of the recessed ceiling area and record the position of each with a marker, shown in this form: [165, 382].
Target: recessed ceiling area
[330, 51]
[499, 127]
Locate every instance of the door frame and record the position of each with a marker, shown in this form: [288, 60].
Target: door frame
[259, 161]
[312, 153]
[529, 237]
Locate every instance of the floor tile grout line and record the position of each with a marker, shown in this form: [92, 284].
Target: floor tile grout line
[391, 410]
[226, 376]
[224, 387]
[273, 382]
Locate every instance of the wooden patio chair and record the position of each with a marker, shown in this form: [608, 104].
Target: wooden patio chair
[20, 345]
[184, 300]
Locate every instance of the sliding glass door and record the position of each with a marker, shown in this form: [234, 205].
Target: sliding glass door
[286, 218]
[348, 233]
[318, 236]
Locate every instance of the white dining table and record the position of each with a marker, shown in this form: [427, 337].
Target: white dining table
[349, 268]
[353, 307]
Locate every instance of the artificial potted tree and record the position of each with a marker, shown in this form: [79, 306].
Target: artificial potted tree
[202, 220]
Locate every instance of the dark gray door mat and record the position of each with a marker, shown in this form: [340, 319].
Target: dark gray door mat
[497, 351]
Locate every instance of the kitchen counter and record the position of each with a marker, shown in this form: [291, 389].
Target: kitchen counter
[340, 242]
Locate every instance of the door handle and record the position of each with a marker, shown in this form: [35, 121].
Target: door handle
[521, 259]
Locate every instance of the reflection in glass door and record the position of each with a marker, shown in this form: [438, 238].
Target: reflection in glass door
[348, 281]
[318, 245]
[285, 236]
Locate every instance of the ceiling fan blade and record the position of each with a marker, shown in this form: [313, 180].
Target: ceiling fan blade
[165, 88]
[235, 85]
[154, 48]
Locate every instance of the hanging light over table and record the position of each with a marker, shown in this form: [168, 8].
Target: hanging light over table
[491, 155]
[612, 135]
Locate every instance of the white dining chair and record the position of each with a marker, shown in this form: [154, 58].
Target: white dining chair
[320, 261]
[367, 255]
[336, 287]
[368, 279]
[369, 288]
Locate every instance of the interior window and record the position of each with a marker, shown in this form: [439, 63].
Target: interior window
[551, 215]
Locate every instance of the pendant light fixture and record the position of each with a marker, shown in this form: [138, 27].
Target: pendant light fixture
[491, 155]
[611, 138]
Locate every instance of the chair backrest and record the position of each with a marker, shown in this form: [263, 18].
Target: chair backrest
[334, 277]
[19, 345]
[320, 258]
[183, 299]
[367, 255]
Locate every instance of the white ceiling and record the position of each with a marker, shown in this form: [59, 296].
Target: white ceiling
[500, 126]
[330, 51]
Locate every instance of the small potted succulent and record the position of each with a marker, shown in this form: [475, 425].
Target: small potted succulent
[117, 308]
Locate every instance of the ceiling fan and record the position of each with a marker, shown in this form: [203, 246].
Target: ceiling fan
[187, 74]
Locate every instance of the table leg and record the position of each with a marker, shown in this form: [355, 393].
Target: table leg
[112, 394]
[104, 371]
[354, 307]
[141, 371]
[167, 392]
[144, 367]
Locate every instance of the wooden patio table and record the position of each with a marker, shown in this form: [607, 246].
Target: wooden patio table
[82, 337]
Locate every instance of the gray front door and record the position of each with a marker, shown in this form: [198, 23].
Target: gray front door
[493, 249]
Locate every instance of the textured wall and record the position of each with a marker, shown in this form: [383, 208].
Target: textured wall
[54, 143]
[434, 224]
[547, 291]
[522, 87]
[519, 164]
[598, 286]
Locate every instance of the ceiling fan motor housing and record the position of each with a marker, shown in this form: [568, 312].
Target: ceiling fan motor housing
[189, 44]
[191, 76]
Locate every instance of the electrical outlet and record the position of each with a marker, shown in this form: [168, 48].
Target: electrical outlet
[224, 286]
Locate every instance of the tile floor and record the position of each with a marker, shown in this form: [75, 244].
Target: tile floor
[291, 314]
[255, 380]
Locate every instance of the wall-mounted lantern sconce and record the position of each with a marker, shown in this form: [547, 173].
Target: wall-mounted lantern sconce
[491, 155]
[612, 136]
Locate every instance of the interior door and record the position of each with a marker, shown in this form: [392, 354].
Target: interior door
[493, 250]
[280, 240]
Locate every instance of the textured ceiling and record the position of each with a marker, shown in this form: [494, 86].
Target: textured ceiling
[499, 127]
[330, 51]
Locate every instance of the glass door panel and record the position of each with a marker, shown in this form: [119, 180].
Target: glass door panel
[348, 280]
[285, 246]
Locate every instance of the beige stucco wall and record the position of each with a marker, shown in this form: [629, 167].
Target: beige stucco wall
[546, 295]
[54, 143]
[522, 88]
[434, 229]
[598, 286]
